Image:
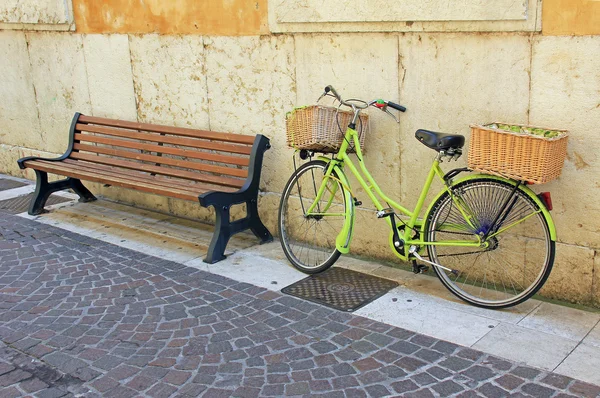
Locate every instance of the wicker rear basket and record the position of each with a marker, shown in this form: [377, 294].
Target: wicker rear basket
[520, 156]
[317, 128]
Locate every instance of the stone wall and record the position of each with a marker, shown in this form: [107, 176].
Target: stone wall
[245, 81]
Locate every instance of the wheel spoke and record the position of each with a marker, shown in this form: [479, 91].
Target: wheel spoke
[515, 262]
[309, 241]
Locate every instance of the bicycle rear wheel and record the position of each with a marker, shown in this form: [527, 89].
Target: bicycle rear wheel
[308, 240]
[515, 263]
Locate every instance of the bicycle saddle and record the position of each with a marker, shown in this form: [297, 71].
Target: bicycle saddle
[439, 141]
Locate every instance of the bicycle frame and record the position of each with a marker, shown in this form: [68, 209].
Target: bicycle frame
[373, 190]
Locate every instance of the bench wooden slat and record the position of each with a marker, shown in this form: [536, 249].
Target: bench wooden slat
[168, 150]
[194, 143]
[185, 185]
[182, 131]
[162, 160]
[62, 169]
[188, 175]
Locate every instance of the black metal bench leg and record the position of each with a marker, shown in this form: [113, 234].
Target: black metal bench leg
[84, 194]
[216, 250]
[256, 225]
[41, 194]
[43, 190]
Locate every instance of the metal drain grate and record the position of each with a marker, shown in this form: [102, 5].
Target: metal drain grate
[10, 184]
[340, 288]
[20, 204]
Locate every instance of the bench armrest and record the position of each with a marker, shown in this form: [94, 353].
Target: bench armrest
[249, 190]
[21, 162]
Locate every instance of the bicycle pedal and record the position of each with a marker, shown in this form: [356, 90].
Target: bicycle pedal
[419, 268]
[385, 213]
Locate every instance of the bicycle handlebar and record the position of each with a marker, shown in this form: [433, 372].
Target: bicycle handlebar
[396, 106]
[331, 91]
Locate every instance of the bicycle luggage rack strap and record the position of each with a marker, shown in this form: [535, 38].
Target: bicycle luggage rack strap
[248, 194]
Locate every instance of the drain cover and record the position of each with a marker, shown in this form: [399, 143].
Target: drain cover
[340, 288]
[21, 203]
[10, 184]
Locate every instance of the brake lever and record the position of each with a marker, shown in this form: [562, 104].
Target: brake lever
[392, 115]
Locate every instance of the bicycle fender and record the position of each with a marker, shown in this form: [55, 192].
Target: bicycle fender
[342, 241]
[532, 195]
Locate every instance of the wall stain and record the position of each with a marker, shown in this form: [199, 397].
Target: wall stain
[216, 17]
[577, 159]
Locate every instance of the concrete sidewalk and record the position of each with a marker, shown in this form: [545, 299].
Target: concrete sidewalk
[543, 335]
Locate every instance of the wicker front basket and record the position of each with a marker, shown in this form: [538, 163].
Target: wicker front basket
[523, 157]
[317, 128]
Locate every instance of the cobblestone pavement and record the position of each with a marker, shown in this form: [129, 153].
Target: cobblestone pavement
[80, 317]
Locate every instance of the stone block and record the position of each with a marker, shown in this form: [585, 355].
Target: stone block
[449, 81]
[346, 62]
[433, 16]
[35, 11]
[60, 80]
[9, 154]
[252, 84]
[19, 113]
[110, 80]
[313, 11]
[572, 275]
[169, 80]
[565, 94]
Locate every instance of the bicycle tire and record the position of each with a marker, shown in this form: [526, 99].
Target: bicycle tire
[294, 226]
[487, 284]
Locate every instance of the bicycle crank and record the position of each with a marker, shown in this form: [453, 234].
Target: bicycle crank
[413, 250]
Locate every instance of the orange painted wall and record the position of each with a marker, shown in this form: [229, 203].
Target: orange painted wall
[571, 17]
[206, 17]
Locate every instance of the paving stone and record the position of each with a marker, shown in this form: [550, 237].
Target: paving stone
[478, 373]
[556, 380]
[509, 381]
[297, 388]
[537, 390]
[447, 388]
[423, 379]
[377, 391]
[33, 385]
[584, 389]
[5, 368]
[52, 392]
[404, 347]
[410, 364]
[525, 372]
[11, 392]
[13, 377]
[456, 364]
[404, 386]
[492, 391]
[428, 355]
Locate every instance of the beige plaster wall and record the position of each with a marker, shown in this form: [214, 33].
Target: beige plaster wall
[247, 84]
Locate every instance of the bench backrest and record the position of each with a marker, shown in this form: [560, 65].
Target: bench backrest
[219, 159]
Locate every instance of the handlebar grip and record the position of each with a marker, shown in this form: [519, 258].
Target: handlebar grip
[396, 106]
[328, 89]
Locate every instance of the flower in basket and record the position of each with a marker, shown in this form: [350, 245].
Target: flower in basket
[525, 130]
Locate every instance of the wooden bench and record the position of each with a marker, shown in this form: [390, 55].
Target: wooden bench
[217, 169]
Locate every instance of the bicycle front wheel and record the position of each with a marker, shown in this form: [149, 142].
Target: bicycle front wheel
[308, 236]
[516, 258]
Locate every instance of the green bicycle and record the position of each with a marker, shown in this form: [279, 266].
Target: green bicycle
[490, 240]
